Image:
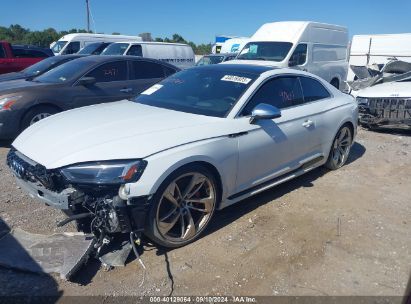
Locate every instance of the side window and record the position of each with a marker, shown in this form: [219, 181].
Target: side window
[135, 50]
[299, 57]
[112, 71]
[313, 90]
[280, 92]
[2, 52]
[72, 48]
[35, 54]
[168, 71]
[146, 70]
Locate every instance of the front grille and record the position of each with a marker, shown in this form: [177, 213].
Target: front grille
[31, 171]
[385, 111]
[390, 108]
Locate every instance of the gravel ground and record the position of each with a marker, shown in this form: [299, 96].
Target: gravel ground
[285, 241]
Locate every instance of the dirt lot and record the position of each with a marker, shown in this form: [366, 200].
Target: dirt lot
[285, 241]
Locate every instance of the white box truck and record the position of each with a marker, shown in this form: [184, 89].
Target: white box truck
[72, 43]
[378, 50]
[179, 54]
[314, 47]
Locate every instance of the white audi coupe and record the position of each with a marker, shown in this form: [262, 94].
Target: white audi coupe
[198, 141]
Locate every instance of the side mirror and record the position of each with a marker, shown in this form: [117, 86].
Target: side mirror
[264, 111]
[85, 81]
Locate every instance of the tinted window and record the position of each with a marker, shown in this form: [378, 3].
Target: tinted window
[201, 91]
[72, 47]
[281, 92]
[65, 72]
[313, 90]
[42, 66]
[144, 70]
[135, 50]
[2, 53]
[27, 53]
[112, 71]
[299, 56]
[272, 51]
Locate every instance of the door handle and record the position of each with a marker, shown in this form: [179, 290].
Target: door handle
[126, 90]
[308, 123]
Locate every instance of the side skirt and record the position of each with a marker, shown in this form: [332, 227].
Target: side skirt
[303, 168]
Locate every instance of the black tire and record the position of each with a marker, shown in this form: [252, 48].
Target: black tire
[36, 111]
[332, 163]
[335, 83]
[152, 230]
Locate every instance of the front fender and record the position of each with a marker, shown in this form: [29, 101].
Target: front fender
[221, 153]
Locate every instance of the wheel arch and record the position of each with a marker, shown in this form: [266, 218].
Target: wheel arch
[36, 105]
[204, 161]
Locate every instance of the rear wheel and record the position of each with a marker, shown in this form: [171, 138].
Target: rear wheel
[36, 114]
[340, 148]
[182, 207]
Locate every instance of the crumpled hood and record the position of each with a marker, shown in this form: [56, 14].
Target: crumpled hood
[118, 130]
[387, 90]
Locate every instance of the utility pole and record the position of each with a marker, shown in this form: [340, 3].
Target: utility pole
[88, 16]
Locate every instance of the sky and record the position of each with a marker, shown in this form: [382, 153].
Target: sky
[201, 21]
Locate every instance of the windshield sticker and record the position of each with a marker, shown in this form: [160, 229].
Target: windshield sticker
[152, 89]
[238, 79]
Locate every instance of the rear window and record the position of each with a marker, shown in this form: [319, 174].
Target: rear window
[313, 90]
[115, 49]
[27, 53]
[146, 70]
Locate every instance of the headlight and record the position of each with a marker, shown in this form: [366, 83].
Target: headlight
[7, 102]
[105, 172]
[362, 100]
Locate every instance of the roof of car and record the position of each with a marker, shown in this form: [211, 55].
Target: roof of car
[94, 59]
[241, 68]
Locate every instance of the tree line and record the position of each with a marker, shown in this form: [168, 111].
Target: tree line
[16, 34]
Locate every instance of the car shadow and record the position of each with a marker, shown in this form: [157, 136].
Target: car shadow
[232, 213]
[23, 286]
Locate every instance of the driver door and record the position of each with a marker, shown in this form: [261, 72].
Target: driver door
[276, 146]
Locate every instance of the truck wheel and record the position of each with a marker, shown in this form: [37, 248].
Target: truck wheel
[36, 114]
[182, 207]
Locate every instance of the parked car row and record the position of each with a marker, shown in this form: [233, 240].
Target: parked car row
[73, 81]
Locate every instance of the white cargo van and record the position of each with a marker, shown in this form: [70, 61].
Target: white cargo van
[233, 45]
[318, 48]
[72, 43]
[178, 54]
[378, 50]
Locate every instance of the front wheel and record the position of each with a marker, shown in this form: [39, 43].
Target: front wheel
[340, 148]
[182, 207]
[36, 114]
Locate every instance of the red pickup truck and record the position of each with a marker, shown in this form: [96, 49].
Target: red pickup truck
[14, 58]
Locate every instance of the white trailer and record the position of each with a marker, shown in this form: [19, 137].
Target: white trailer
[369, 50]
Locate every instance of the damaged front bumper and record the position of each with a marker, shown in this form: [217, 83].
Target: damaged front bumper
[104, 212]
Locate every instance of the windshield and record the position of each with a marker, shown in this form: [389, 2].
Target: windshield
[63, 73]
[58, 46]
[206, 60]
[41, 66]
[115, 49]
[271, 51]
[203, 91]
